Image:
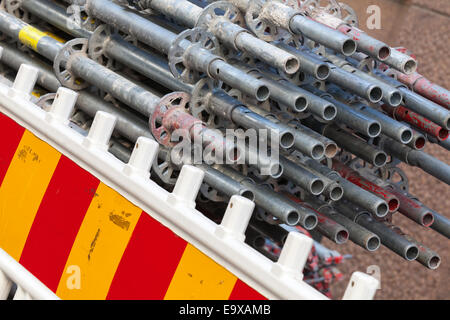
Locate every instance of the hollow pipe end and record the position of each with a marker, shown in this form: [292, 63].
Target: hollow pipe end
[373, 243]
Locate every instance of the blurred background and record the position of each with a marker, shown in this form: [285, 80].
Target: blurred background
[422, 26]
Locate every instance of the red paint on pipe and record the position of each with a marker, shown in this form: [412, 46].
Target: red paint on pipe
[427, 126]
[354, 177]
[421, 85]
[413, 210]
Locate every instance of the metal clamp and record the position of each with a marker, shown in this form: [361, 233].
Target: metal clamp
[61, 65]
[368, 65]
[259, 26]
[223, 11]
[45, 101]
[300, 5]
[220, 9]
[80, 15]
[397, 177]
[341, 11]
[348, 15]
[334, 8]
[180, 68]
[177, 100]
[164, 169]
[14, 7]
[331, 6]
[200, 101]
[97, 46]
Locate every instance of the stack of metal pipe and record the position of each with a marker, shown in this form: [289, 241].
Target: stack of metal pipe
[287, 102]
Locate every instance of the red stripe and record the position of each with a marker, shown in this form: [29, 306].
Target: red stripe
[149, 262]
[242, 291]
[57, 222]
[11, 134]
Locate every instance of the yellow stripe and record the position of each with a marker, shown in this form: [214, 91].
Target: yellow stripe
[54, 36]
[22, 191]
[99, 246]
[198, 277]
[30, 36]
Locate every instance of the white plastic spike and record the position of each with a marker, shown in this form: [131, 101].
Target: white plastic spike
[236, 218]
[101, 130]
[63, 104]
[361, 287]
[188, 185]
[5, 286]
[21, 294]
[144, 153]
[25, 80]
[294, 255]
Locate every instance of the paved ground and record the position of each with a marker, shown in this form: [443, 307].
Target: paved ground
[423, 26]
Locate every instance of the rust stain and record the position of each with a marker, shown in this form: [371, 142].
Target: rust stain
[28, 151]
[119, 221]
[35, 157]
[126, 214]
[22, 155]
[93, 243]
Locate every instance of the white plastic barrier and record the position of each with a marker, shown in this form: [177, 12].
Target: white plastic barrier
[223, 243]
[28, 286]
